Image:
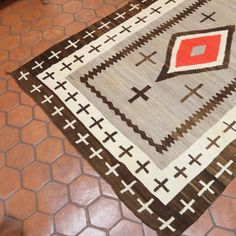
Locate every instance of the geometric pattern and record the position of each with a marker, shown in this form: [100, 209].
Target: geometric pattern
[198, 51]
[117, 159]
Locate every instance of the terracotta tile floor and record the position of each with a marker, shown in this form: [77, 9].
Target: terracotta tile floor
[45, 185]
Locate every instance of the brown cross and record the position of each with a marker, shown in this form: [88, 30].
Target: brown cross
[125, 29]
[213, 142]
[71, 96]
[140, 93]
[192, 92]
[110, 137]
[180, 172]
[142, 167]
[169, 1]
[230, 126]
[208, 17]
[96, 123]
[83, 109]
[141, 19]
[126, 151]
[146, 58]
[195, 159]
[161, 184]
[155, 10]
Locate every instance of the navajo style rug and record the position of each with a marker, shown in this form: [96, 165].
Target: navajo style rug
[147, 95]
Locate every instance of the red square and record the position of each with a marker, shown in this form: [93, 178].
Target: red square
[212, 44]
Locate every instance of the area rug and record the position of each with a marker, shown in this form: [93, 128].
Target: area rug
[147, 95]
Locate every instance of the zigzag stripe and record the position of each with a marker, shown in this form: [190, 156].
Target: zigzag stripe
[144, 39]
[195, 118]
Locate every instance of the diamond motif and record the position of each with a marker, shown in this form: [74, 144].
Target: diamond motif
[198, 51]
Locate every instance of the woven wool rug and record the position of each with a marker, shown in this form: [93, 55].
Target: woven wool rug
[147, 95]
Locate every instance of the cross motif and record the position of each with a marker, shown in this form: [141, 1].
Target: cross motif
[104, 25]
[66, 66]
[192, 92]
[96, 153]
[141, 19]
[71, 96]
[161, 184]
[82, 139]
[187, 206]
[58, 111]
[140, 93]
[38, 65]
[195, 159]
[47, 99]
[180, 172]
[125, 29]
[112, 169]
[49, 75]
[128, 187]
[224, 168]
[111, 38]
[146, 58]
[95, 48]
[96, 123]
[167, 224]
[23, 75]
[126, 151]
[61, 85]
[142, 167]
[230, 126]
[110, 137]
[134, 7]
[155, 10]
[69, 124]
[36, 88]
[54, 55]
[169, 1]
[145, 206]
[78, 58]
[89, 34]
[208, 17]
[213, 142]
[120, 16]
[72, 44]
[83, 109]
[206, 187]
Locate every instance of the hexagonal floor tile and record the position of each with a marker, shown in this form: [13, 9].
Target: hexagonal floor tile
[224, 211]
[36, 175]
[38, 224]
[20, 156]
[9, 181]
[10, 227]
[220, 232]
[34, 132]
[21, 204]
[125, 227]
[52, 197]
[93, 232]
[201, 227]
[8, 138]
[19, 116]
[84, 190]
[8, 100]
[49, 150]
[66, 168]
[70, 220]
[104, 213]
